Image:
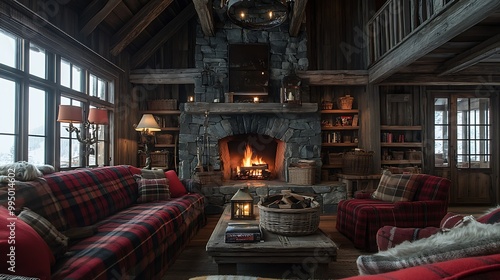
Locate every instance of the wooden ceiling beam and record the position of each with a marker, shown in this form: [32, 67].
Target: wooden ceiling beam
[137, 24]
[162, 36]
[299, 8]
[94, 14]
[471, 56]
[445, 26]
[434, 80]
[204, 10]
[334, 77]
[187, 76]
[164, 76]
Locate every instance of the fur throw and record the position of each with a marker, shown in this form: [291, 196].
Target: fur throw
[23, 171]
[471, 238]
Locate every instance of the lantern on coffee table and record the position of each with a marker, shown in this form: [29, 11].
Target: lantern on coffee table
[242, 205]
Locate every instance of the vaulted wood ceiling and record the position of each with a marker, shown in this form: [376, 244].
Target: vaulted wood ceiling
[142, 26]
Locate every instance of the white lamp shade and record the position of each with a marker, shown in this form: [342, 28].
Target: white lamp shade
[70, 114]
[98, 116]
[148, 123]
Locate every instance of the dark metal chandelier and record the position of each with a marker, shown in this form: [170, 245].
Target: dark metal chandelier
[257, 14]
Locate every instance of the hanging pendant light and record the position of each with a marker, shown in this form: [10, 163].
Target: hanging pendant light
[257, 14]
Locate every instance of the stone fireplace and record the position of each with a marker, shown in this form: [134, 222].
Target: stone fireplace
[278, 135]
[281, 136]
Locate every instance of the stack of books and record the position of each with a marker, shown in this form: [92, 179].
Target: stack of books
[241, 232]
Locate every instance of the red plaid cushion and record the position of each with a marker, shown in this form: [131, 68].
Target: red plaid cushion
[153, 190]
[58, 242]
[396, 187]
[491, 217]
[451, 220]
[390, 236]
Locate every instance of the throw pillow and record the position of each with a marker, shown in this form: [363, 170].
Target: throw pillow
[396, 187]
[153, 190]
[177, 189]
[491, 216]
[32, 256]
[152, 174]
[390, 236]
[451, 220]
[57, 242]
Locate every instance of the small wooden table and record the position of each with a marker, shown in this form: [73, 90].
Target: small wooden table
[315, 249]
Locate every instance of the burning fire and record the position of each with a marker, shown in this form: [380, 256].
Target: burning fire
[249, 159]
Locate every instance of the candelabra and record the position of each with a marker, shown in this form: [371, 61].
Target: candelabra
[89, 134]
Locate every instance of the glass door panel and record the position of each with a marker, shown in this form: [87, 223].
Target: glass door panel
[441, 132]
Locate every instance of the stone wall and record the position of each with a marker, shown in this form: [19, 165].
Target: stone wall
[286, 53]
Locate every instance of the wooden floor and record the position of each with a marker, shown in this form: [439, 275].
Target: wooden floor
[194, 261]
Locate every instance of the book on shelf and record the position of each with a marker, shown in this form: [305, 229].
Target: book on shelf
[242, 232]
[355, 120]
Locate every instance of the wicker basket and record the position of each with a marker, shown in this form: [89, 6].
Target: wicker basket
[326, 105]
[398, 155]
[290, 222]
[357, 163]
[335, 159]
[301, 175]
[345, 102]
[413, 155]
[162, 104]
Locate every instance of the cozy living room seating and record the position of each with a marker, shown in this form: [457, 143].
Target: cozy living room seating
[114, 222]
[462, 247]
[402, 200]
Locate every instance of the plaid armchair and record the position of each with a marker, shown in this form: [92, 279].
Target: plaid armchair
[424, 205]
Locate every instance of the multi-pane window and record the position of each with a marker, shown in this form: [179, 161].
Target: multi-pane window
[441, 131]
[7, 125]
[37, 125]
[29, 130]
[38, 61]
[71, 75]
[473, 132]
[9, 49]
[462, 133]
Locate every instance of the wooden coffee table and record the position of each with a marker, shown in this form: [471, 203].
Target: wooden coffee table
[311, 252]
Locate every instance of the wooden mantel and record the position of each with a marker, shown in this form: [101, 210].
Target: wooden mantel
[247, 108]
[187, 76]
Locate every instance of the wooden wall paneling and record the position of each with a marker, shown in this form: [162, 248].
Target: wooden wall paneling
[369, 132]
[341, 44]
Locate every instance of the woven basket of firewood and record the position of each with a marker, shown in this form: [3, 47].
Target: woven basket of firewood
[290, 214]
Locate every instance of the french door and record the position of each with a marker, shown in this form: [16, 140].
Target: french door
[462, 145]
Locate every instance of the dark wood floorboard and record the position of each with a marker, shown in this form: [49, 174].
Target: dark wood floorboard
[194, 261]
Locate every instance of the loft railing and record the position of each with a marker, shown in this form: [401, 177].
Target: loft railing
[397, 20]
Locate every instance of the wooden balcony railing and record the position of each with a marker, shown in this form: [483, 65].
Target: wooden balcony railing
[397, 20]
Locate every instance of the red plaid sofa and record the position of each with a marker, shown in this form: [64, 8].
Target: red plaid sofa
[360, 218]
[133, 240]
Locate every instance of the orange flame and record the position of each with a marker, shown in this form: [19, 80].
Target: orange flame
[249, 159]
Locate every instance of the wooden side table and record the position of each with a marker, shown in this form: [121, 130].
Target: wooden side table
[369, 182]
